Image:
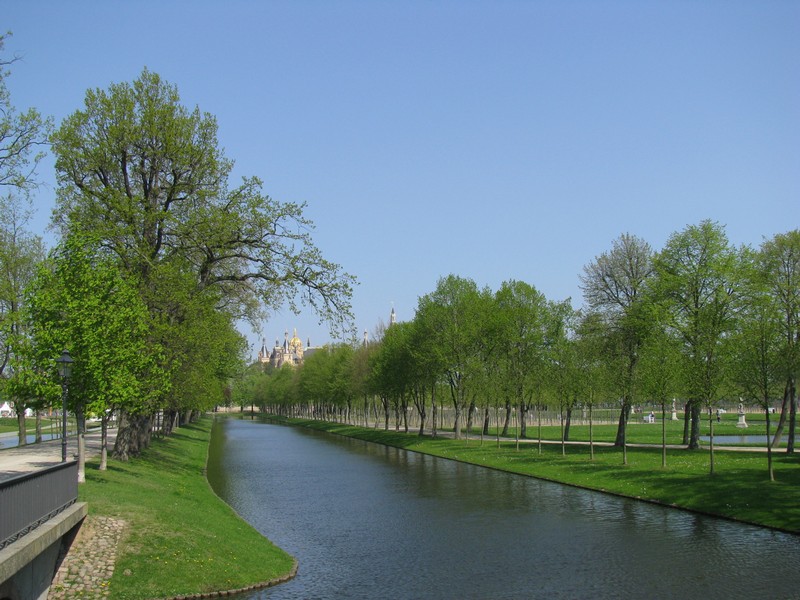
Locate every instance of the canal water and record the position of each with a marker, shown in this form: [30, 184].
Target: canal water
[11, 439]
[368, 521]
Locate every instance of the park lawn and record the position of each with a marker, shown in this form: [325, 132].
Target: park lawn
[739, 489]
[8, 424]
[648, 433]
[180, 537]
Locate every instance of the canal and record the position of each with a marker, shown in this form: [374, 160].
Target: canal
[369, 521]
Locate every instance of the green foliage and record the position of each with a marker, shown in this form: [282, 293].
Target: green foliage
[523, 322]
[697, 277]
[20, 253]
[147, 176]
[81, 301]
[613, 286]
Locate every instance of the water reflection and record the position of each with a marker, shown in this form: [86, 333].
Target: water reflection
[367, 521]
[11, 440]
[741, 439]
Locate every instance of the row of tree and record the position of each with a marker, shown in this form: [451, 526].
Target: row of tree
[158, 259]
[701, 320]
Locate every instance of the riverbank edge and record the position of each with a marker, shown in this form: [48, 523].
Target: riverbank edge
[327, 427]
[252, 587]
[100, 584]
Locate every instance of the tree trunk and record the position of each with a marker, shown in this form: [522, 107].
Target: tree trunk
[567, 423]
[145, 432]
[507, 419]
[122, 445]
[133, 435]
[22, 434]
[710, 440]
[624, 416]
[104, 442]
[539, 422]
[386, 413]
[694, 439]
[776, 440]
[792, 416]
[38, 427]
[663, 434]
[457, 420]
[687, 418]
[80, 419]
[470, 414]
[769, 445]
[523, 419]
[433, 409]
[485, 429]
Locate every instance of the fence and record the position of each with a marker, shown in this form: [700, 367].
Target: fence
[30, 500]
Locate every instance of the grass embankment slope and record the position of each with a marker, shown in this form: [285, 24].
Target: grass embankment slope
[180, 537]
[739, 489]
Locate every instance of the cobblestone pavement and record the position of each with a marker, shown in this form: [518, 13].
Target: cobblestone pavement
[88, 566]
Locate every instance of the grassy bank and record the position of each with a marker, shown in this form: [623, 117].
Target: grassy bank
[740, 488]
[180, 537]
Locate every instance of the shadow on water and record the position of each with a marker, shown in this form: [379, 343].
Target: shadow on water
[367, 521]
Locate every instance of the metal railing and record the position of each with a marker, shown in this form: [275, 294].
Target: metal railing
[30, 500]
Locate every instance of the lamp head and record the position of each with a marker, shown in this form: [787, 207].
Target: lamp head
[64, 364]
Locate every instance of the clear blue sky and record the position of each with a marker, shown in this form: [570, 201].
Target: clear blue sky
[493, 140]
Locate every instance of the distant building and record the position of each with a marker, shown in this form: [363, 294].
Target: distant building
[291, 352]
[392, 321]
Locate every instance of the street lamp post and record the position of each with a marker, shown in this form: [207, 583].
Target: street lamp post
[64, 370]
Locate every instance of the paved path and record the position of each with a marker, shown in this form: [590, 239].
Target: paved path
[24, 459]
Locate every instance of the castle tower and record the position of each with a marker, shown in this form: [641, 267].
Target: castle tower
[263, 354]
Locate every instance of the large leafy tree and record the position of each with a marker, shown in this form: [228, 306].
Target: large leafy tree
[757, 345]
[522, 316]
[20, 254]
[147, 177]
[593, 369]
[697, 276]
[450, 319]
[659, 374]
[81, 301]
[393, 371]
[23, 135]
[779, 267]
[613, 286]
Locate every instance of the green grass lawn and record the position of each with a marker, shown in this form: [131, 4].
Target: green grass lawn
[639, 432]
[739, 489]
[180, 537]
[10, 424]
